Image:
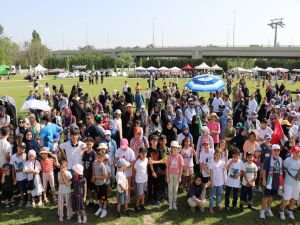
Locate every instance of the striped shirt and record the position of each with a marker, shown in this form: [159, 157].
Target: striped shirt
[47, 165]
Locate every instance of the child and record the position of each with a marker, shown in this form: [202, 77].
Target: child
[79, 194]
[141, 178]
[108, 170]
[217, 179]
[47, 165]
[196, 194]
[8, 181]
[64, 191]
[291, 183]
[99, 178]
[18, 160]
[174, 173]
[224, 151]
[32, 168]
[89, 156]
[257, 161]
[235, 168]
[249, 177]
[272, 180]
[122, 187]
[187, 153]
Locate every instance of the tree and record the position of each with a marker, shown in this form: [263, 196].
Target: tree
[1, 29]
[125, 59]
[36, 52]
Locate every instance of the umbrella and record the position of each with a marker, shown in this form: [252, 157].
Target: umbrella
[216, 67]
[205, 83]
[203, 66]
[188, 67]
[36, 104]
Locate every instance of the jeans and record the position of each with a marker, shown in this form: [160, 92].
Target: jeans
[227, 195]
[173, 188]
[216, 190]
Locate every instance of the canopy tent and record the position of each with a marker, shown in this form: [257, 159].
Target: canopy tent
[240, 70]
[282, 70]
[270, 69]
[296, 70]
[175, 68]
[187, 67]
[151, 68]
[163, 68]
[4, 70]
[216, 67]
[257, 69]
[39, 68]
[203, 66]
[140, 68]
[80, 67]
[205, 83]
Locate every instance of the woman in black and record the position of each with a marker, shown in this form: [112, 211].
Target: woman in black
[170, 132]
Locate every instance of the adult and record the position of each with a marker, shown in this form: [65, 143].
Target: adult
[92, 130]
[48, 132]
[4, 118]
[190, 111]
[5, 147]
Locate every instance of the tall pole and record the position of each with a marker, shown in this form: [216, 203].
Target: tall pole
[233, 30]
[153, 21]
[275, 38]
[227, 34]
[274, 25]
[162, 36]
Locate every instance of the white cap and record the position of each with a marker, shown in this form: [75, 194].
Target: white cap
[107, 132]
[275, 147]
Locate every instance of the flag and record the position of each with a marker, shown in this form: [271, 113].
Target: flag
[200, 125]
[278, 133]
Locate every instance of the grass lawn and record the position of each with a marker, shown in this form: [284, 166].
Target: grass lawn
[19, 88]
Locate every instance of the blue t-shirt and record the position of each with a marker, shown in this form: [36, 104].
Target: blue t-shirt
[47, 134]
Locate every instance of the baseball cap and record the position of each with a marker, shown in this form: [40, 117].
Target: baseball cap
[118, 111]
[267, 136]
[123, 143]
[296, 149]
[121, 163]
[249, 154]
[275, 147]
[107, 132]
[205, 141]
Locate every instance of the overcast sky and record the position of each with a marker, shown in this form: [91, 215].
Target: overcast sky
[68, 24]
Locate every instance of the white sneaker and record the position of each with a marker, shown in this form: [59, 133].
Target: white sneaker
[40, 203]
[103, 213]
[84, 220]
[98, 211]
[290, 214]
[174, 206]
[170, 206]
[79, 220]
[282, 216]
[262, 214]
[269, 212]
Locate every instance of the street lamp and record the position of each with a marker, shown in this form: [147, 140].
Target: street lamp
[274, 24]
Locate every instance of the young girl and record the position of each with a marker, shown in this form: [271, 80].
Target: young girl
[64, 191]
[122, 187]
[217, 179]
[8, 182]
[47, 165]
[223, 150]
[79, 194]
[32, 168]
[214, 127]
[173, 173]
[187, 153]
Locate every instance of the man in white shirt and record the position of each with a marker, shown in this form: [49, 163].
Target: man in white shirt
[190, 111]
[252, 105]
[5, 147]
[217, 102]
[227, 102]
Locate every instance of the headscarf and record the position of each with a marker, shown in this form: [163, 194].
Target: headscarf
[179, 119]
[113, 130]
[31, 144]
[71, 119]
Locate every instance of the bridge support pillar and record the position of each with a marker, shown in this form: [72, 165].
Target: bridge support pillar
[197, 55]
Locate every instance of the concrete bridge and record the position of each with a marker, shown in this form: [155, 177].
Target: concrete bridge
[197, 52]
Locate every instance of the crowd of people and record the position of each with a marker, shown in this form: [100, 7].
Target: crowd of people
[147, 144]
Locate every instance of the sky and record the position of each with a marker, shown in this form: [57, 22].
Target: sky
[69, 24]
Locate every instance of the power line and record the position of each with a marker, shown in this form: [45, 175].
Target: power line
[274, 25]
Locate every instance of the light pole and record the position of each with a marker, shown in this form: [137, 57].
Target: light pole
[153, 23]
[274, 25]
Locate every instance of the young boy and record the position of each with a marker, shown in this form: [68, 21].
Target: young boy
[257, 161]
[291, 184]
[99, 178]
[141, 179]
[272, 179]
[196, 193]
[8, 182]
[88, 158]
[18, 160]
[122, 187]
[235, 168]
[249, 177]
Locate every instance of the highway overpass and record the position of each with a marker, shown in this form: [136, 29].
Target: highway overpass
[197, 52]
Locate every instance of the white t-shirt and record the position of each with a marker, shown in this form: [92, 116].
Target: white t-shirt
[216, 103]
[218, 169]
[293, 166]
[73, 154]
[63, 188]
[5, 148]
[250, 170]
[121, 180]
[19, 164]
[140, 167]
[233, 178]
[206, 158]
[262, 132]
[129, 156]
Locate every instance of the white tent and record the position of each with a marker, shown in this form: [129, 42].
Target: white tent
[270, 69]
[296, 70]
[257, 69]
[151, 68]
[283, 70]
[216, 67]
[39, 68]
[163, 68]
[175, 68]
[202, 66]
[240, 70]
[140, 68]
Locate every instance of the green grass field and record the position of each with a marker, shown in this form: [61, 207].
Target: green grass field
[19, 88]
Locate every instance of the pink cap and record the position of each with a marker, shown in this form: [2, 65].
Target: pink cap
[123, 143]
[205, 141]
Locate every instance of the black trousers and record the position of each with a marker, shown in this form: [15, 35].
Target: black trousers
[152, 188]
[227, 195]
[246, 194]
